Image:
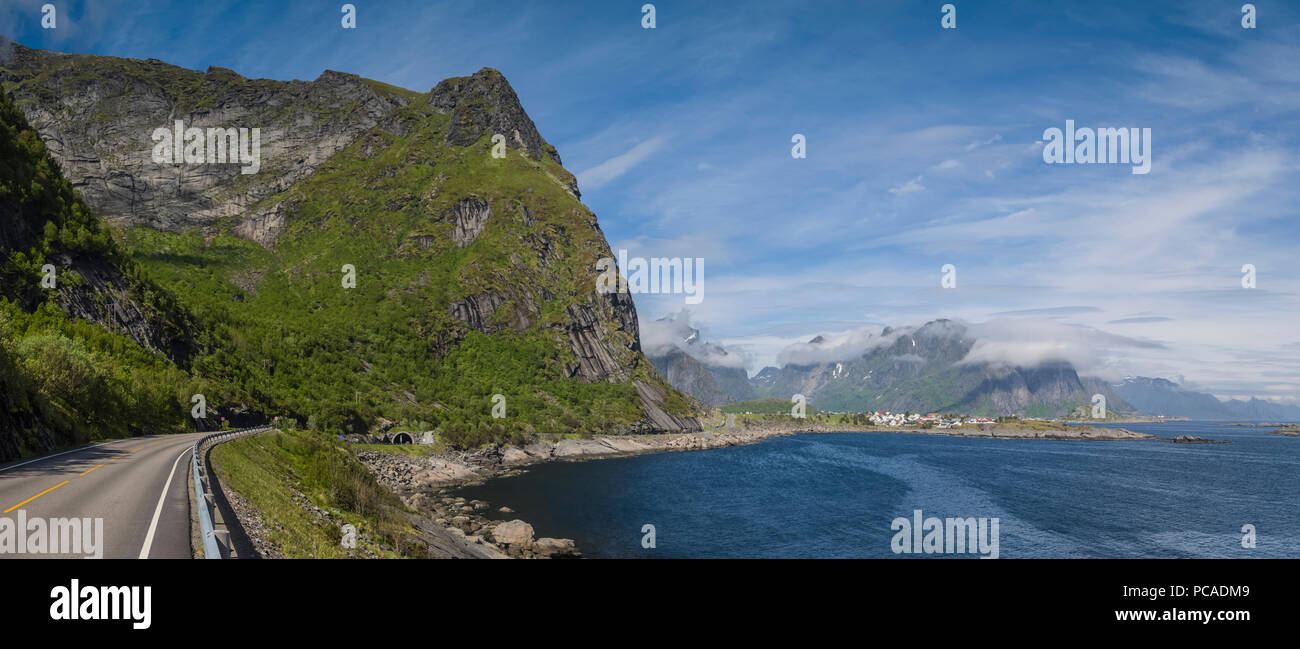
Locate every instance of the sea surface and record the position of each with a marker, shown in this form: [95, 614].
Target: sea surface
[836, 495]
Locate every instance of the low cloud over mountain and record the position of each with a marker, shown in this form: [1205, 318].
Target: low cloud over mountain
[659, 337]
[1003, 342]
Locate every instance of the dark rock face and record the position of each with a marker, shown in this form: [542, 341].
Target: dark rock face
[475, 309]
[102, 297]
[656, 417]
[596, 357]
[468, 217]
[99, 128]
[486, 104]
[714, 386]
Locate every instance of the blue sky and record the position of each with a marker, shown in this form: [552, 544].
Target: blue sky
[924, 149]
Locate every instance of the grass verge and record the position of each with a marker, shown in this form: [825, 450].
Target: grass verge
[269, 470]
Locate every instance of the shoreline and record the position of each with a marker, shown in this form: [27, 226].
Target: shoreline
[429, 483]
[455, 469]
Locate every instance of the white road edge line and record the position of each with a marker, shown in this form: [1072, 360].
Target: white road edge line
[83, 448]
[153, 525]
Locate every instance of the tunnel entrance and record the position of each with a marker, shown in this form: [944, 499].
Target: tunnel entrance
[403, 438]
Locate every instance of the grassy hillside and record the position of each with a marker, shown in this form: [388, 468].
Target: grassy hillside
[474, 275]
[341, 357]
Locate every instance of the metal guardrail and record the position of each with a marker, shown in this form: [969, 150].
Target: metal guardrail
[211, 549]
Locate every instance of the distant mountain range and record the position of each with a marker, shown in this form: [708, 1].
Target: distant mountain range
[903, 369]
[1163, 397]
[926, 369]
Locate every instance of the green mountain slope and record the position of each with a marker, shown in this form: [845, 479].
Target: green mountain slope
[474, 276]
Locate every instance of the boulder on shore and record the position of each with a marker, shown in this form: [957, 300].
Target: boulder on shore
[516, 533]
[550, 547]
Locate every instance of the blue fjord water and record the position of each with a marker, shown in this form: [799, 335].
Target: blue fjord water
[835, 495]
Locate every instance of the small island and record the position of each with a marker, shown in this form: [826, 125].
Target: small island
[1192, 439]
[1287, 430]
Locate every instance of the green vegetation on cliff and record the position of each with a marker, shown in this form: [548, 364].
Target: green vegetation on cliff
[303, 344]
[474, 274]
[66, 381]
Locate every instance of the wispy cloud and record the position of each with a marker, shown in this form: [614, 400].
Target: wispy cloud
[911, 186]
[597, 176]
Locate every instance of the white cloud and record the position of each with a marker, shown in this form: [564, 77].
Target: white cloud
[997, 137]
[618, 165]
[831, 348]
[660, 336]
[913, 185]
[1030, 343]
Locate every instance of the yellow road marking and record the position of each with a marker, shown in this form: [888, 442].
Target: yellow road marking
[83, 473]
[36, 496]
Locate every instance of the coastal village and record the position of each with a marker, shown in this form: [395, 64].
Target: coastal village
[933, 419]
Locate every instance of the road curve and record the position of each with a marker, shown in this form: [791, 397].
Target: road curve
[138, 486]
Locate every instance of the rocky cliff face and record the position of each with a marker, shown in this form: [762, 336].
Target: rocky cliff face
[61, 379]
[97, 116]
[448, 241]
[689, 375]
[485, 104]
[102, 294]
[43, 222]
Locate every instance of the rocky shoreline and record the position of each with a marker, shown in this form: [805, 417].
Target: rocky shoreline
[428, 484]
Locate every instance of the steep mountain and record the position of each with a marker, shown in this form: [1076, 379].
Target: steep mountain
[376, 260]
[701, 369]
[688, 374]
[765, 378]
[1158, 396]
[89, 348]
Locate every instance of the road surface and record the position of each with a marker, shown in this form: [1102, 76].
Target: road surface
[138, 486]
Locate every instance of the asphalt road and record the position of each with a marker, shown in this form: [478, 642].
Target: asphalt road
[138, 486]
